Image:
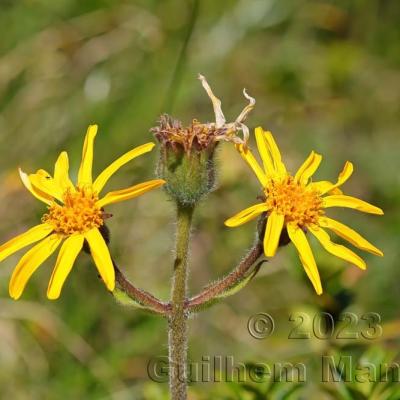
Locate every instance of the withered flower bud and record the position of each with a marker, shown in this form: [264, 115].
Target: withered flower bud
[187, 153]
[186, 160]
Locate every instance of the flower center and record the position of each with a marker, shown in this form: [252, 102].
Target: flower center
[78, 214]
[197, 135]
[299, 204]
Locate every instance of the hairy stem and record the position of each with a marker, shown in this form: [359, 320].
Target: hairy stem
[142, 297]
[177, 327]
[221, 285]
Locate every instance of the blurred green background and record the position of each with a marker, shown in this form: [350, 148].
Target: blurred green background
[326, 76]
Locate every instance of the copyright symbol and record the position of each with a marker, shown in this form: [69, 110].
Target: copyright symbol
[261, 325]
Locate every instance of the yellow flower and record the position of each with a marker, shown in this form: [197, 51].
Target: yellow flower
[75, 215]
[298, 205]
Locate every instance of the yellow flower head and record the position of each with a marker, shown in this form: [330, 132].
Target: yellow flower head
[75, 214]
[298, 205]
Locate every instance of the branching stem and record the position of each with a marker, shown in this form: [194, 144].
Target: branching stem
[140, 296]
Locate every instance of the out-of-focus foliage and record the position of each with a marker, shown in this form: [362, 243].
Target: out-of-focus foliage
[326, 76]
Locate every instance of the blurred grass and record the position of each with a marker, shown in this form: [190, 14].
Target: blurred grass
[326, 77]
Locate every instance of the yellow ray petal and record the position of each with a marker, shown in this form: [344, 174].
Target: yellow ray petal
[61, 172]
[44, 182]
[351, 202]
[85, 169]
[264, 152]
[33, 235]
[298, 237]
[273, 233]
[30, 262]
[275, 153]
[337, 249]
[326, 186]
[36, 192]
[101, 257]
[349, 234]
[117, 164]
[247, 155]
[65, 261]
[246, 215]
[346, 173]
[308, 168]
[130, 192]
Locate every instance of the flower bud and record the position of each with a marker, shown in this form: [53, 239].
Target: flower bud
[186, 160]
[187, 153]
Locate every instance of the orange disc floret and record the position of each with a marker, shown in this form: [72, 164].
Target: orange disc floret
[298, 203]
[78, 214]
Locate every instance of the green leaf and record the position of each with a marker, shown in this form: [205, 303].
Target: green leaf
[241, 283]
[126, 300]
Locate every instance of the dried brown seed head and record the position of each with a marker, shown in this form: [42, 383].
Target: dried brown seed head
[200, 136]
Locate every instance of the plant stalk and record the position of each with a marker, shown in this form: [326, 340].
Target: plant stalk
[177, 322]
[146, 299]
